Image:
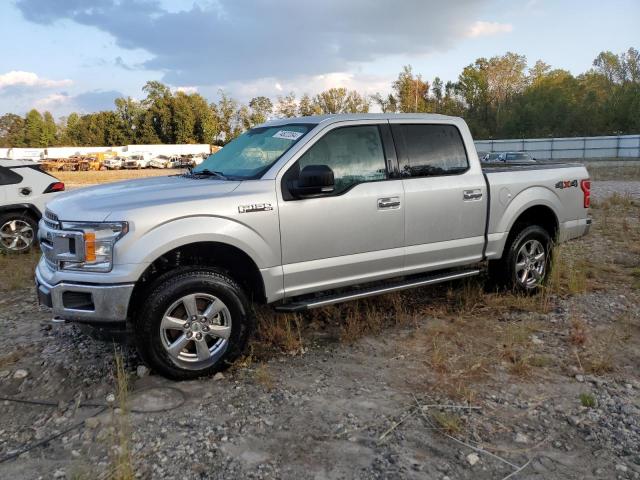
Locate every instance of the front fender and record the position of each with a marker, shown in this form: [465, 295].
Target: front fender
[162, 238]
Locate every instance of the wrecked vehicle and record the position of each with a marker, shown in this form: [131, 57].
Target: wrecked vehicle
[299, 213]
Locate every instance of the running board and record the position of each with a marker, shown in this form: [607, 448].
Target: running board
[300, 305]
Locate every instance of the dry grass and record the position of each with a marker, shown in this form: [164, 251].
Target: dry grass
[263, 376]
[121, 467]
[606, 172]
[16, 271]
[108, 176]
[278, 332]
[448, 422]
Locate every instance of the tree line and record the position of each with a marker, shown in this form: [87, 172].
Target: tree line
[499, 97]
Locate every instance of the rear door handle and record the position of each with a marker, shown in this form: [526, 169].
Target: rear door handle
[469, 195]
[388, 203]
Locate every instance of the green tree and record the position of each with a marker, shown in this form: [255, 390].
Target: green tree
[49, 131]
[307, 107]
[387, 104]
[340, 100]
[261, 110]
[183, 119]
[411, 92]
[287, 106]
[12, 130]
[34, 129]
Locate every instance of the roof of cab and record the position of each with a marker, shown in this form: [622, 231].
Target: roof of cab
[341, 117]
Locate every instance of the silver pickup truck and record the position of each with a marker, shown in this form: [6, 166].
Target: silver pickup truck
[298, 213]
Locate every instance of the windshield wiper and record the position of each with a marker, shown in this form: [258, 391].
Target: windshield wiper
[208, 172]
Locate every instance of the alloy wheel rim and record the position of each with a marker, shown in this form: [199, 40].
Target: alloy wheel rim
[531, 262]
[195, 331]
[16, 235]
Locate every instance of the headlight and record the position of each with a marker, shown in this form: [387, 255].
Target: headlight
[98, 242]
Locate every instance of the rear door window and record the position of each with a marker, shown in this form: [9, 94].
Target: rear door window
[9, 177]
[430, 150]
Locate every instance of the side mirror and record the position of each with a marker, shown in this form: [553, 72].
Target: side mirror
[313, 180]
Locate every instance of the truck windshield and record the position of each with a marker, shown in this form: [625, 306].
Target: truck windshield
[251, 154]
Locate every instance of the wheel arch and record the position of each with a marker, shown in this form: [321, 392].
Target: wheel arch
[28, 208]
[239, 265]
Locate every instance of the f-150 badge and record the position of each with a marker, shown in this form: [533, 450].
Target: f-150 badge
[255, 207]
[567, 183]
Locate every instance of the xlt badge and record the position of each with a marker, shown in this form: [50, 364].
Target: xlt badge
[255, 207]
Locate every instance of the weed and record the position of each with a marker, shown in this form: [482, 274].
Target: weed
[264, 376]
[449, 422]
[600, 364]
[587, 400]
[521, 367]
[121, 461]
[578, 332]
[279, 331]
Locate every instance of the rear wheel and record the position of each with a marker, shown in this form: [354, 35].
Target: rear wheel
[194, 322]
[17, 232]
[526, 260]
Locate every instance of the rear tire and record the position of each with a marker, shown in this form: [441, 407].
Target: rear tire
[526, 260]
[194, 322]
[17, 232]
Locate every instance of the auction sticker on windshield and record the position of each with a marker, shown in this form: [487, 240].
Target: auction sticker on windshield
[287, 134]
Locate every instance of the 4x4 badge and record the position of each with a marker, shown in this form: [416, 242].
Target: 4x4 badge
[255, 207]
[567, 184]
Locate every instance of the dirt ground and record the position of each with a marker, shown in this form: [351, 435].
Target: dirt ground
[445, 382]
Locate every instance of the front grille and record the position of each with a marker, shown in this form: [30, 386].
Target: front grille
[51, 264]
[51, 220]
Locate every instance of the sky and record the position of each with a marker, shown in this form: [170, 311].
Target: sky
[79, 55]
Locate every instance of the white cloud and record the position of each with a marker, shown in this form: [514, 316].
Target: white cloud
[485, 29]
[187, 89]
[53, 100]
[17, 78]
[301, 84]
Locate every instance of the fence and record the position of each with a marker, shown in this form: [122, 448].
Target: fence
[620, 146]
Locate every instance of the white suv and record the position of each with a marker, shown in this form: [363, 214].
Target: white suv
[24, 191]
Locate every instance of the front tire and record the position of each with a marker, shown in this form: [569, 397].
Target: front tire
[194, 323]
[526, 261]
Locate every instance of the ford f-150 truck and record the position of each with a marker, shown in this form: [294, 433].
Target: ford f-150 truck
[298, 213]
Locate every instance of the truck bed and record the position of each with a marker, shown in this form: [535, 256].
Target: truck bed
[519, 167]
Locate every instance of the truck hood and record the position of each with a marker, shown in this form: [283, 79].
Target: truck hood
[95, 204]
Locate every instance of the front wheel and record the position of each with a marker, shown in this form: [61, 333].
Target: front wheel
[194, 323]
[17, 232]
[526, 260]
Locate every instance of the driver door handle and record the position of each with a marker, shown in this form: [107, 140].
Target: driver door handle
[388, 203]
[469, 195]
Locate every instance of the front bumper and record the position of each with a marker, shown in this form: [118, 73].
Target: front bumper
[97, 304]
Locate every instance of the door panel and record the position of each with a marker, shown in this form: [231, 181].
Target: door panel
[333, 241]
[443, 229]
[355, 234]
[445, 197]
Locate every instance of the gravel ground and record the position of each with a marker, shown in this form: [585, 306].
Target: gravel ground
[335, 411]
